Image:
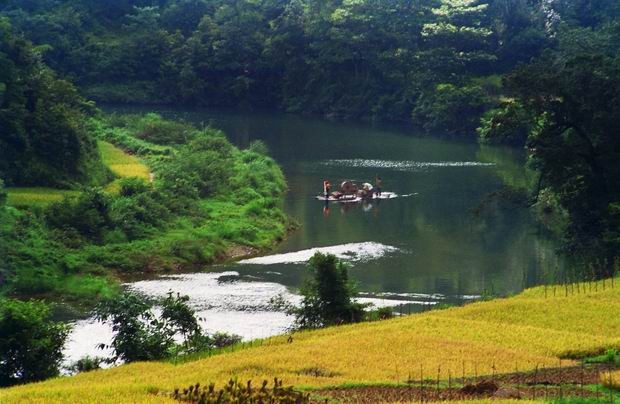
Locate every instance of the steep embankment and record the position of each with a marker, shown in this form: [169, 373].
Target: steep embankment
[533, 329]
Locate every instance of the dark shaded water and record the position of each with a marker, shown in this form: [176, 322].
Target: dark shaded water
[426, 247]
[442, 246]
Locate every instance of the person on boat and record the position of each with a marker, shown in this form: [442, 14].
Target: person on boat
[326, 188]
[378, 185]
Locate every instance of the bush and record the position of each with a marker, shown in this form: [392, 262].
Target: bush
[30, 343]
[137, 215]
[132, 186]
[88, 214]
[235, 392]
[141, 335]
[327, 295]
[86, 364]
[259, 147]
[154, 129]
[205, 166]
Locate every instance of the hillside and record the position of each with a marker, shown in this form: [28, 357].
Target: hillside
[201, 200]
[535, 329]
[43, 138]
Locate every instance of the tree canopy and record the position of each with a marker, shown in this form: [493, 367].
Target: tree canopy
[43, 140]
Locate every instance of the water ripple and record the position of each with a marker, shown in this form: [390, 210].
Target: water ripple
[402, 165]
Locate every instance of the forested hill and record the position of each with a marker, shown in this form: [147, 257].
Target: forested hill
[436, 63]
[43, 140]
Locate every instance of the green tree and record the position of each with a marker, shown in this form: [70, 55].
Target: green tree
[43, 139]
[450, 108]
[142, 335]
[573, 143]
[327, 295]
[138, 334]
[30, 343]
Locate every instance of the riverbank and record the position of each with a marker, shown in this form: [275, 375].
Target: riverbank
[182, 198]
[537, 329]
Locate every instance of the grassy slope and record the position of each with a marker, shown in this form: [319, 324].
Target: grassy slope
[521, 332]
[122, 164]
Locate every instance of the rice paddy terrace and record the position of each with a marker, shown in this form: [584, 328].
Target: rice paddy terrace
[122, 165]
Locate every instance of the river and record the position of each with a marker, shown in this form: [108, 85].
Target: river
[430, 245]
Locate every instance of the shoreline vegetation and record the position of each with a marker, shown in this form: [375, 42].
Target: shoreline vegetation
[536, 334]
[181, 198]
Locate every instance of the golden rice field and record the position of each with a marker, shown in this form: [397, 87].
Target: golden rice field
[36, 196]
[611, 379]
[120, 163]
[500, 336]
[123, 165]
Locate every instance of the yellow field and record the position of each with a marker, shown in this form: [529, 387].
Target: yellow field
[36, 196]
[611, 379]
[122, 164]
[499, 336]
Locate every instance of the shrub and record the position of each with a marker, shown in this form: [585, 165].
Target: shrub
[235, 392]
[205, 166]
[86, 364]
[154, 129]
[138, 214]
[30, 343]
[88, 214]
[327, 295]
[141, 335]
[132, 186]
[222, 340]
[259, 147]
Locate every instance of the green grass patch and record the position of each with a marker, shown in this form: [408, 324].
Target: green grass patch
[611, 356]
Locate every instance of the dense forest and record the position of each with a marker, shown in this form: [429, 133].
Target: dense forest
[434, 62]
[537, 73]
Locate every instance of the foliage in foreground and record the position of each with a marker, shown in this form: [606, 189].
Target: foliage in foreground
[326, 296]
[536, 328]
[142, 335]
[238, 393]
[30, 343]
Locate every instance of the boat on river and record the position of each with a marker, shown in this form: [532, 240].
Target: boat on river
[350, 193]
[357, 198]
